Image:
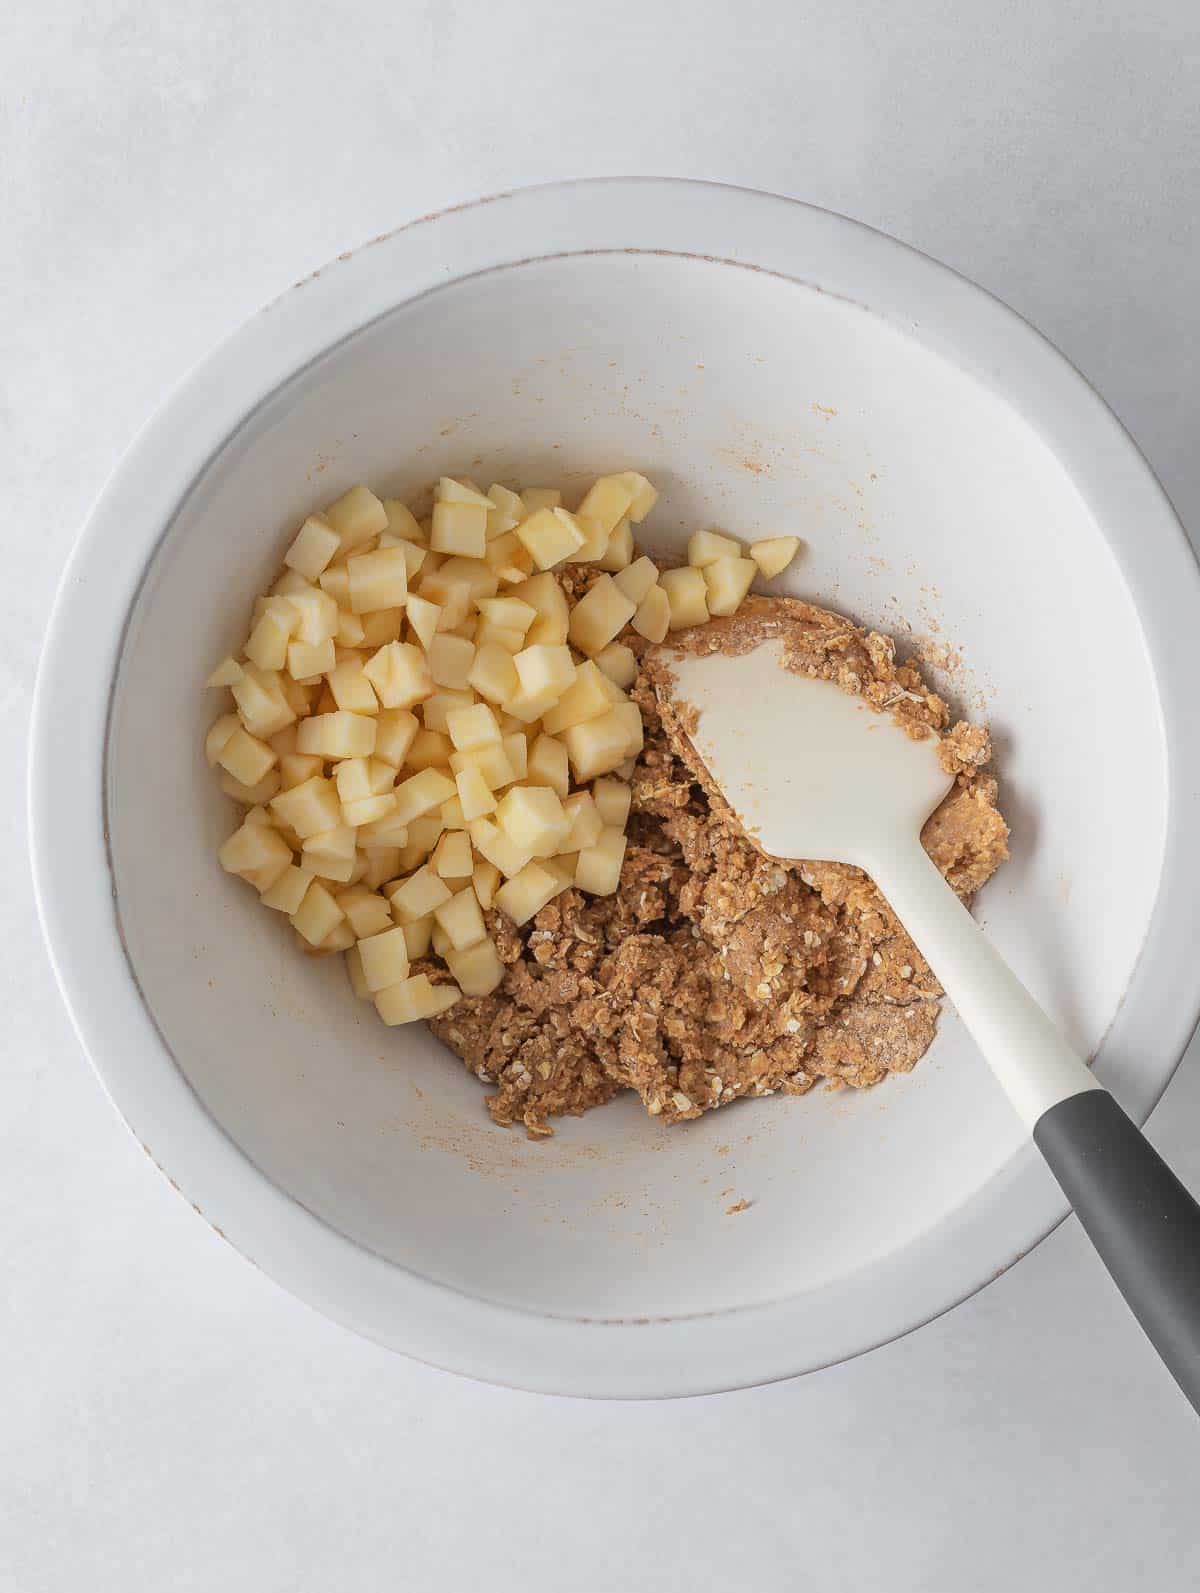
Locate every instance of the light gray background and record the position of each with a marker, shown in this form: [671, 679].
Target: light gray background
[167, 1417]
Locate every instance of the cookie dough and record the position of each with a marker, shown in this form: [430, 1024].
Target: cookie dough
[715, 971]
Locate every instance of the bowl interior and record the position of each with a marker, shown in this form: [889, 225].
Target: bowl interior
[929, 507]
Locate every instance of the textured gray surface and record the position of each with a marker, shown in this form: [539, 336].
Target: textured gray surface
[169, 1418]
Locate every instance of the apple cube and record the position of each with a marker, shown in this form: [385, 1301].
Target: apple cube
[452, 856]
[527, 893]
[318, 615]
[599, 615]
[418, 935]
[421, 793]
[395, 729]
[544, 668]
[387, 834]
[315, 544]
[705, 547]
[507, 511]
[368, 913]
[644, 496]
[382, 627]
[442, 703]
[619, 552]
[478, 970]
[485, 877]
[637, 580]
[619, 663]
[584, 822]
[509, 613]
[382, 864]
[384, 956]
[288, 891]
[358, 778]
[219, 733]
[450, 661]
[472, 727]
[493, 674]
[459, 528]
[357, 516]
[310, 660]
[378, 580]
[535, 498]
[496, 846]
[246, 757]
[261, 707]
[587, 697]
[533, 819]
[337, 735]
[267, 644]
[653, 618]
[423, 616]
[336, 583]
[516, 751]
[430, 749]
[728, 580]
[612, 798]
[309, 808]
[250, 795]
[548, 766]
[551, 535]
[687, 595]
[350, 631]
[415, 999]
[400, 675]
[351, 689]
[361, 811]
[474, 793]
[227, 673]
[419, 894]
[599, 745]
[598, 870]
[448, 490]
[317, 915]
[774, 554]
[258, 850]
[461, 919]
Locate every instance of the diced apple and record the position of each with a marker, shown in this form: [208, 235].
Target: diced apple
[357, 778]
[478, 970]
[421, 793]
[551, 535]
[507, 511]
[459, 528]
[533, 819]
[587, 697]
[350, 631]
[490, 759]
[516, 751]
[619, 552]
[599, 615]
[246, 757]
[653, 618]
[402, 522]
[423, 616]
[544, 668]
[450, 661]
[535, 498]
[315, 544]
[510, 613]
[357, 516]
[419, 894]
[442, 703]
[452, 856]
[472, 727]
[286, 894]
[644, 496]
[318, 615]
[395, 729]
[418, 936]
[309, 808]
[430, 749]
[474, 793]
[227, 673]
[774, 554]
[485, 877]
[382, 864]
[383, 627]
[687, 595]
[612, 798]
[400, 675]
[310, 660]
[250, 795]
[388, 834]
[448, 490]
[337, 735]
[415, 999]
[637, 580]
[219, 733]
[598, 870]
[619, 663]
[599, 745]
[361, 811]
[475, 574]
[727, 581]
[331, 852]
[527, 893]
[496, 846]
[384, 955]
[705, 547]
[351, 689]
[267, 644]
[256, 850]
[317, 915]
[461, 919]
[368, 912]
[336, 583]
[262, 709]
[584, 822]
[548, 766]
[493, 674]
[378, 580]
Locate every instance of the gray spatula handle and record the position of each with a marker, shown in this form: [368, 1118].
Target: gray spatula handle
[1142, 1221]
[1136, 1212]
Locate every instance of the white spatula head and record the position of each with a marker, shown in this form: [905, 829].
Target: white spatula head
[811, 771]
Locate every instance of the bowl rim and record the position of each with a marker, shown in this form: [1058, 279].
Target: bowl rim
[75, 892]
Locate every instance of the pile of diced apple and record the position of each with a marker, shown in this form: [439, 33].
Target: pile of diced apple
[423, 727]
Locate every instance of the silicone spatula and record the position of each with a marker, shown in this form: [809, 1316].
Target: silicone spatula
[813, 772]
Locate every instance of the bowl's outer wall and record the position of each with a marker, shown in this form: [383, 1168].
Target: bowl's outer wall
[930, 506]
[927, 506]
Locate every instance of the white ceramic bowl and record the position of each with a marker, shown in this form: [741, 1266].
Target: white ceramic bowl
[773, 368]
